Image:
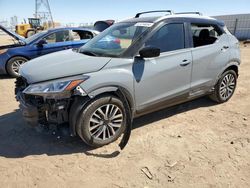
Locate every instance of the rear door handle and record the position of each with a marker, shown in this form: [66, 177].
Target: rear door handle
[225, 47]
[185, 63]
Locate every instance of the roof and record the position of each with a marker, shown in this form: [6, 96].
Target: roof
[142, 19]
[182, 17]
[71, 28]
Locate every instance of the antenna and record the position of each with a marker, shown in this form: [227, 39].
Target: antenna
[43, 11]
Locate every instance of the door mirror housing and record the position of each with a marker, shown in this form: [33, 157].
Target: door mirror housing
[41, 43]
[149, 52]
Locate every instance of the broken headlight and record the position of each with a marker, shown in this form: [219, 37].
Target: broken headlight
[52, 87]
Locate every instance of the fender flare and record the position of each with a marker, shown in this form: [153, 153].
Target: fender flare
[102, 90]
[121, 91]
[80, 102]
[129, 108]
[233, 62]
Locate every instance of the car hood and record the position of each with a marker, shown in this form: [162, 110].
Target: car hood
[61, 64]
[12, 35]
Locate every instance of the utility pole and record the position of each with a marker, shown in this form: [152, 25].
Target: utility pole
[43, 11]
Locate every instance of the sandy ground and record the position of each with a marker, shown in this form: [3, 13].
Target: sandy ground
[197, 144]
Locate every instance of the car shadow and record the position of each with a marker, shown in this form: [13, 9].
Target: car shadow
[18, 140]
[3, 77]
[171, 111]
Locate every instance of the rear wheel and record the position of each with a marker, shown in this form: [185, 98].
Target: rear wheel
[102, 121]
[225, 87]
[14, 64]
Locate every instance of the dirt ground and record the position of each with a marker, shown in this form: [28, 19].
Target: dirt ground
[197, 144]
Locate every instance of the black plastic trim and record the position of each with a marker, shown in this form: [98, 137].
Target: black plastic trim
[161, 104]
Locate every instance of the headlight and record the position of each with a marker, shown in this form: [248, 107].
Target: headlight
[52, 87]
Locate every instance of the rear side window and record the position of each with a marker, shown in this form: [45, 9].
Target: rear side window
[205, 34]
[77, 35]
[168, 38]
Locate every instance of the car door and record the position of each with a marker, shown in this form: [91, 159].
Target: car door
[56, 41]
[210, 54]
[164, 79]
[80, 37]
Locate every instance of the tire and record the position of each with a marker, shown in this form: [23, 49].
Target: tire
[94, 128]
[13, 65]
[225, 87]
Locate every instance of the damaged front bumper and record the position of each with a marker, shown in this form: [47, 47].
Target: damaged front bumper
[29, 111]
[49, 109]
[60, 109]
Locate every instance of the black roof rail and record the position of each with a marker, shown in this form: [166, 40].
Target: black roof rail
[138, 14]
[199, 13]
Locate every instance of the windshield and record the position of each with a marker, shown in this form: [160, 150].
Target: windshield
[34, 37]
[115, 40]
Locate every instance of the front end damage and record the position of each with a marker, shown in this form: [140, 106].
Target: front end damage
[50, 109]
[47, 109]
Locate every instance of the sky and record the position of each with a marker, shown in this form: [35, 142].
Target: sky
[86, 11]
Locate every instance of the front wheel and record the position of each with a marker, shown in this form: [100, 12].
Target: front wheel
[102, 121]
[14, 64]
[225, 87]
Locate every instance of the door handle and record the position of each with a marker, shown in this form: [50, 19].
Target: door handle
[185, 63]
[225, 47]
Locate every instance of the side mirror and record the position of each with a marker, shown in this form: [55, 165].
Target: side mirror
[41, 43]
[149, 52]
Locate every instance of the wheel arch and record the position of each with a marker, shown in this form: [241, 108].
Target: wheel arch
[7, 61]
[234, 68]
[119, 91]
[231, 65]
[80, 102]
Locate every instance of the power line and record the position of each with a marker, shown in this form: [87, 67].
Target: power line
[43, 11]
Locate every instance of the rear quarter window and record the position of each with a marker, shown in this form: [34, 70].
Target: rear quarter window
[77, 35]
[205, 34]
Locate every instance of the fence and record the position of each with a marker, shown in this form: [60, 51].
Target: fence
[239, 25]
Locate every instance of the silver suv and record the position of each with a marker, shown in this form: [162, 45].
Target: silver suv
[135, 67]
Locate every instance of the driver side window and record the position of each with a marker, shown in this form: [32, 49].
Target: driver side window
[60, 36]
[168, 38]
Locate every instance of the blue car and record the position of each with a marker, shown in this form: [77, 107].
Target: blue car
[15, 50]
